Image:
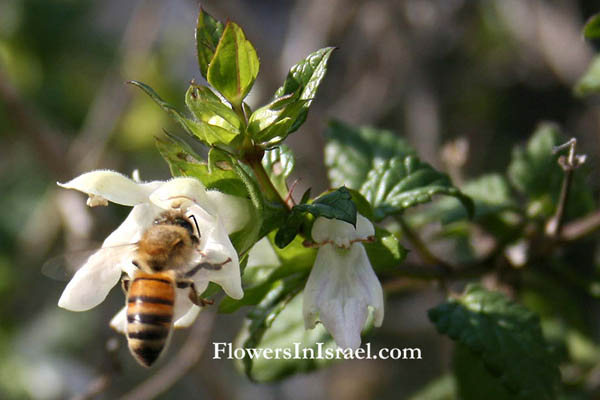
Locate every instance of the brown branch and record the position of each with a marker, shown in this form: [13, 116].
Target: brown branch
[186, 359]
[569, 164]
[581, 227]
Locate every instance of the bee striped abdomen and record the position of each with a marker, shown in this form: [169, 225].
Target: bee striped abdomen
[150, 301]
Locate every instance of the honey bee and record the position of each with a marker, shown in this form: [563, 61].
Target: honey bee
[164, 257]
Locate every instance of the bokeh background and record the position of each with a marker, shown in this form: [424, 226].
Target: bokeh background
[471, 77]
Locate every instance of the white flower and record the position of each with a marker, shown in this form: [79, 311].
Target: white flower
[342, 284]
[217, 215]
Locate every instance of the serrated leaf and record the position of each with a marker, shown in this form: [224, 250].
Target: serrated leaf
[214, 175]
[279, 163]
[386, 252]
[506, 336]
[234, 66]
[207, 133]
[535, 173]
[591, 30]
[337, 204]
[352, 152]
[289, 107]
[208, 33]
[589, 83]
[400, 183]
[490, 193]
[208, 108]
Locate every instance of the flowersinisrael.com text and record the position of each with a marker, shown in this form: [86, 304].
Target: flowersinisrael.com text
[321, 352]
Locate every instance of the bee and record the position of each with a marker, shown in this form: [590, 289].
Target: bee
[164, 260]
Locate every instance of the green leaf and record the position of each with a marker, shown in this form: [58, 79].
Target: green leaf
[491, 195]
[400, 183]
[272, 123]
[473, 380]
[220, 173]
[216, 174]
[207, 133]
[535, 173]
[506, 336]
[288, 231]
[234, 66]
[442, 388]
[386, 252]
[306, 75]
[589, 83]
[591, 30]
[208, 108]
[351, 152]
[289, 108]
[173, 112]
[208, 33]
[362, 205]
[337, 204]
[279, 325]
[279, 163]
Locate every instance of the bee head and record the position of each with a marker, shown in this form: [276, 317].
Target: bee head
[179, 219]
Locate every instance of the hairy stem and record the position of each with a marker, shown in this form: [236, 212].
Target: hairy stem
[253, 159]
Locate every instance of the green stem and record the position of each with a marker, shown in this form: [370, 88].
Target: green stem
[239, 110]
[269, 191]
[252, 156]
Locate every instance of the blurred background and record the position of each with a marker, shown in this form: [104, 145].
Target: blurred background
[473, 77]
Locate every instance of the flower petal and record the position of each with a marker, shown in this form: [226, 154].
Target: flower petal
[262, 254]
[340, 288]
[216, 248]
[181, 193]
[130, 231]
[119, 321]
[92, 282]
[108, 185]
[234, 211]
[341, 232]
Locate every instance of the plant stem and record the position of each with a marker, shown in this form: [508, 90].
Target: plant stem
[421, 248]
[568, 164]
[253, 159]
[239, 110]
[558, 219]
[583, 226]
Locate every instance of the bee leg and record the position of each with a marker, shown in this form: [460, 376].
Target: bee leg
[125, 283]
[196, 299]
[206, 265]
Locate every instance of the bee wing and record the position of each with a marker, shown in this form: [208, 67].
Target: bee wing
[64, 266]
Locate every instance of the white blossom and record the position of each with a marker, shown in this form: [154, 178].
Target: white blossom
[342, 284]
[216, 213]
